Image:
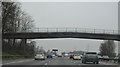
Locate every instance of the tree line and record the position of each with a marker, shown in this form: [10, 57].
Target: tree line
[14, 19]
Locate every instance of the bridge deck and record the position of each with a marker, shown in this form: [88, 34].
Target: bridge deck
[64, 33]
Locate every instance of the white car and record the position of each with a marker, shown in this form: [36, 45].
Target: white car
[40, 57]
[76, 57]
[66, 55]
[106, 58]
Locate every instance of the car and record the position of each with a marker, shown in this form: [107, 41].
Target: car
[49, 56]
[116, 59]
[90, 57]
[40, 57]
[119, 59]
[71, 57]
[53, 55]
[105, 57]
[59, 55]
[100, 57]
[76, 57]
[66, 55]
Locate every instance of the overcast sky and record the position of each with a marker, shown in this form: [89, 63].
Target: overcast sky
[98, 15]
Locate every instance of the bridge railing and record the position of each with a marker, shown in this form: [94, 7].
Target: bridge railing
[82, 30]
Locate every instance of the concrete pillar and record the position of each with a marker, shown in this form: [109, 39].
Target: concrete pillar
[24, 42]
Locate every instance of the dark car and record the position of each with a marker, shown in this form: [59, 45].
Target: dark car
[49, 56]
[71, 56]
[90, 57]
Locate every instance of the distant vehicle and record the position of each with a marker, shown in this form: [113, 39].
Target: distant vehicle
[119, 59]
[76, 57]
[53, 55]
[59, 55]
[116, 59]
[55, 49]
[40, 57]
[66, 55]
[49, 56]
[100, 57]
[90, 57]
[105, 58]
[71, 56]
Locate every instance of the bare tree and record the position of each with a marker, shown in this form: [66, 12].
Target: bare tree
[26, 22]
[15, 20]
[108, 48]
[8, 14]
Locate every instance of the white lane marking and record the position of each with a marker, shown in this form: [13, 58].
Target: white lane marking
[18, 61]
[45, 64]
[10, 63]
[6, 63]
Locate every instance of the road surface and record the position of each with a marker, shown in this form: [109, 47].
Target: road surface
[53, 61]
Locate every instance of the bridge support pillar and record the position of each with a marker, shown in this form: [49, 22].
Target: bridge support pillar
[24, 42]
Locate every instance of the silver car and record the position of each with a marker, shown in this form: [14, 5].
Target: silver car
[90, 57]
[40, 57]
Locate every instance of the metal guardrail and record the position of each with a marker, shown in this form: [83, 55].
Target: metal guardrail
[82, 30]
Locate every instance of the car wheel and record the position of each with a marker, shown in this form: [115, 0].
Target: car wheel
[93, 62]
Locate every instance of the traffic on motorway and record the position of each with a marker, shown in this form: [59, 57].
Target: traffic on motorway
[84, 57]
[52, 57]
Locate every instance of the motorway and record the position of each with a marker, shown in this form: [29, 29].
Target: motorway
[54, 61]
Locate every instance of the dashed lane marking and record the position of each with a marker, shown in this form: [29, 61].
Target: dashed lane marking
[45, 64]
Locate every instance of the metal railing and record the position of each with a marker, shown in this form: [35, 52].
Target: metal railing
[82, 30]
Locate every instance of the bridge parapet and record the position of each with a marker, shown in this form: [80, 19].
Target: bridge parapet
[81, 30]
[43, 33]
